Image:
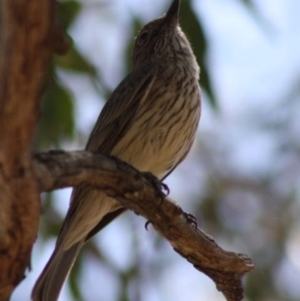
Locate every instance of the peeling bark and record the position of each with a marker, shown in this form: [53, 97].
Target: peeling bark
[24, 55]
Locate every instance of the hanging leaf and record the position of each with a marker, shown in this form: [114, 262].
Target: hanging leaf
[192, 26]
[57, 121]
[74, 61]
[136, 26]
[67, 12]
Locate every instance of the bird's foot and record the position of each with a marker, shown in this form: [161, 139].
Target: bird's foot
[147, 224]
[191, 219]
[162, 188]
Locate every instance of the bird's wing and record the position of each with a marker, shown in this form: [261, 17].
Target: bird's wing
[115, 120]
[116, 116]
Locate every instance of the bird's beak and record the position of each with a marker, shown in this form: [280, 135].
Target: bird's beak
[172, 16]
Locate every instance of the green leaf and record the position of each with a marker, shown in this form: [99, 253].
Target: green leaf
[67, 12]
[192, 26]
[74, 61]
[135, 28]
[57, 121]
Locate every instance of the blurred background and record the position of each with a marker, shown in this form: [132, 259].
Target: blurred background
[242, 178]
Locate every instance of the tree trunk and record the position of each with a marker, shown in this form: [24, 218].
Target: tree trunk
[25, 52]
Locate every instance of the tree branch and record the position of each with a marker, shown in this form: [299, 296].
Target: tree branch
[25, 51]
[139, 192]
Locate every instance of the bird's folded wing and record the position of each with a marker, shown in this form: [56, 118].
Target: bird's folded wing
[118, 113]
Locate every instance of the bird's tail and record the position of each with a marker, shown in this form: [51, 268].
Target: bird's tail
[50, 282]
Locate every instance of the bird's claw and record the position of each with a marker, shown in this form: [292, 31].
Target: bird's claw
[147, 224]
[191, 219]
[159, 185]
[165, 188]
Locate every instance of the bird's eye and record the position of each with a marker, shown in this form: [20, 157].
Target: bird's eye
[143, 37]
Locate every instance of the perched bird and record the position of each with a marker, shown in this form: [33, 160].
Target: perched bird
[149, 121]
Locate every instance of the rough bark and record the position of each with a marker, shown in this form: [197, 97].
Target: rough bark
[142, 194]
[24, 54]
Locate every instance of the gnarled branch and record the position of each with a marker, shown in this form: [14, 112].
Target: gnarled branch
[140, 193]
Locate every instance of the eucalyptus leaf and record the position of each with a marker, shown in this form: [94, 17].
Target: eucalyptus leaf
[57, 121]
[67, 12]
[191, 25]
[74, 61]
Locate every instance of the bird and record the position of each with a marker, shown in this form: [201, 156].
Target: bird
[149, 121]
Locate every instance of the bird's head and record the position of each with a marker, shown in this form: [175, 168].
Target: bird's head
[162, 39]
